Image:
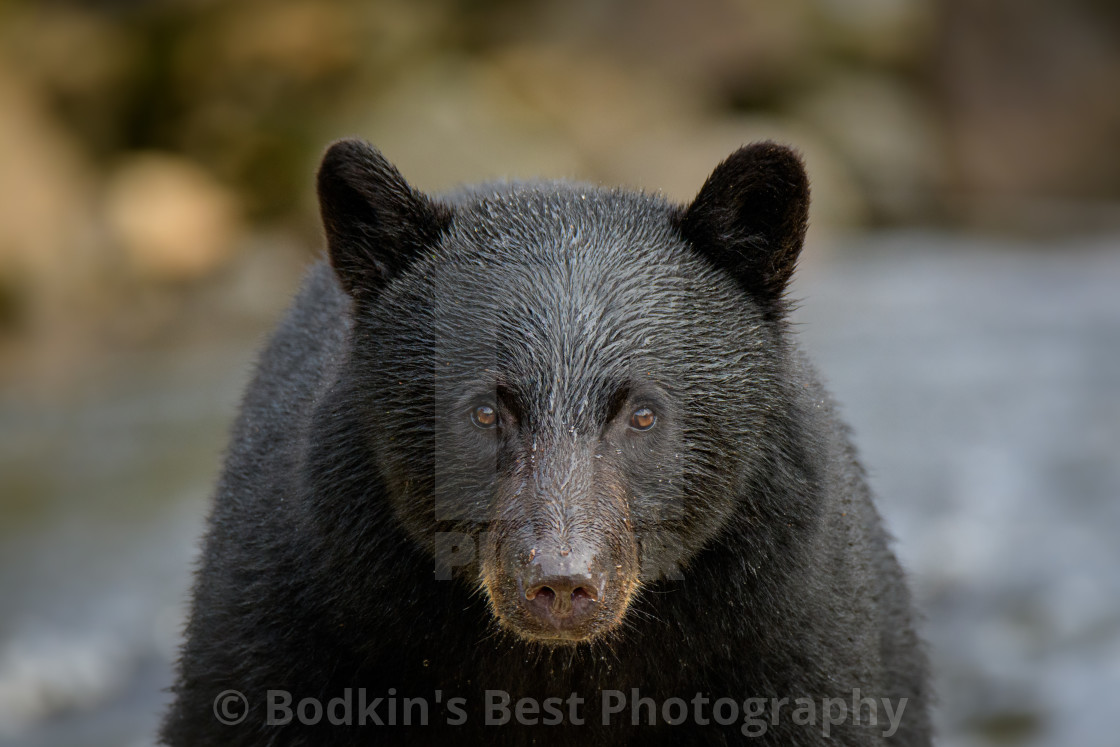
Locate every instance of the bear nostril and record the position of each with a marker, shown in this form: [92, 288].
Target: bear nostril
[561, 598]
[544, 593]
[584, 594]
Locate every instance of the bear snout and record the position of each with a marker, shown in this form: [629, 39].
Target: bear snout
[558, 592]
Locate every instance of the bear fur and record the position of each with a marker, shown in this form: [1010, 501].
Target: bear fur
[442, 487]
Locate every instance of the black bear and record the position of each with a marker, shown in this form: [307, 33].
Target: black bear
[541, 463]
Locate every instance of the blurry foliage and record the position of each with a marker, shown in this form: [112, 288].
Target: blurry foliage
[236, 86]
[907, 110]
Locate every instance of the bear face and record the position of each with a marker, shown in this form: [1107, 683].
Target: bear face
[569, 429]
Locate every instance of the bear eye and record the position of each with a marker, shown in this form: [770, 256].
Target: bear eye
[484, 416]
[642, 419]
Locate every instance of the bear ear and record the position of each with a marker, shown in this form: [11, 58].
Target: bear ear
[750, 218]
[375, 222]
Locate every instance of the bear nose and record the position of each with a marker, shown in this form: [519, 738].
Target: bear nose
[562, 597]
[561, 587]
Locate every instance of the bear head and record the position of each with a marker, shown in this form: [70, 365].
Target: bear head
[580, 388]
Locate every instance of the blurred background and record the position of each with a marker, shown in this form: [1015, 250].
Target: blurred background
[959, 288]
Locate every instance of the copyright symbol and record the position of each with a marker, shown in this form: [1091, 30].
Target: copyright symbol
[231, 707]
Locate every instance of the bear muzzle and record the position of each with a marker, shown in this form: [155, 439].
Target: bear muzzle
[560, 561]
[558, 593]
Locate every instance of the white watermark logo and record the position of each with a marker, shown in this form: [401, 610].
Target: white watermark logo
[754, 716]
[231, 707]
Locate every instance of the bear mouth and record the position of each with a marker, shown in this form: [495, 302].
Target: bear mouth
[555, 630]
